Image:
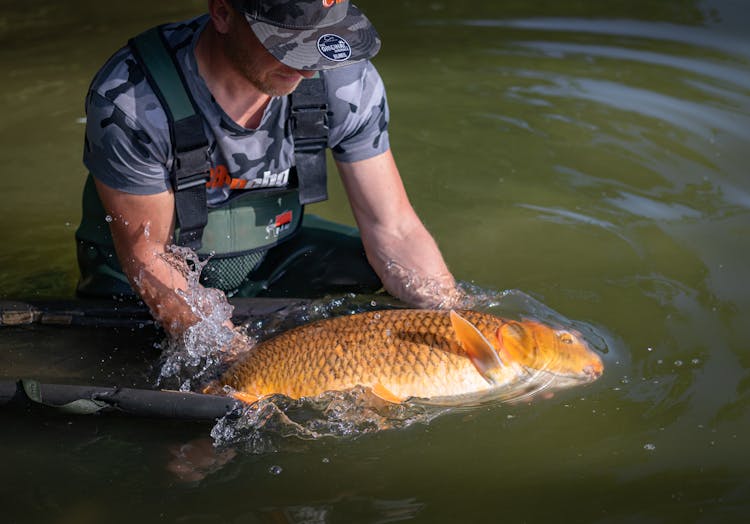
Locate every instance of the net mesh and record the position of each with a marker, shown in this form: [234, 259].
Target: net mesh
[228, 273]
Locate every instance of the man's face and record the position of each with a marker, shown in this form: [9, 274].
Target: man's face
[250, 58]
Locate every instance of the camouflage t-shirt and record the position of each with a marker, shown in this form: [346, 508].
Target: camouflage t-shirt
[127, 136]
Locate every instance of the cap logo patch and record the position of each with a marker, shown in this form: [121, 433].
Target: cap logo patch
[334, 48]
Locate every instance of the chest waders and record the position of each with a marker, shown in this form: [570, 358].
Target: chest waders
[237, 233]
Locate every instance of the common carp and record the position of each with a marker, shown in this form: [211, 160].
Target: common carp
[437, 356]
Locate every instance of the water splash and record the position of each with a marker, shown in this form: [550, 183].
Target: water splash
[438, 293]
[204, 349]
[267, 425]
[278, 423]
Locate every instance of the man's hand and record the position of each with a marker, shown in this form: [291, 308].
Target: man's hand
[398, 246]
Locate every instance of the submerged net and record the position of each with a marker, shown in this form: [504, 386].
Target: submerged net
[229, 273]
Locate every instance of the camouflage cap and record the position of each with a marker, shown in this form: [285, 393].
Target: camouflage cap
[311, 34]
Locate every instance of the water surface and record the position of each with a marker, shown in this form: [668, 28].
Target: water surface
[591, 154]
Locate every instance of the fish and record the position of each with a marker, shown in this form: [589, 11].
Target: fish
[434, 356]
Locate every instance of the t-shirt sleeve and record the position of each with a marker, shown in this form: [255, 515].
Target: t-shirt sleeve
[119, 152]
[359, 116]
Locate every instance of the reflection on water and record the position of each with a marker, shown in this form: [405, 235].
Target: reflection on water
[373, 511]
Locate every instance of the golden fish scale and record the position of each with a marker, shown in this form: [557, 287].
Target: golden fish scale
[410, 352]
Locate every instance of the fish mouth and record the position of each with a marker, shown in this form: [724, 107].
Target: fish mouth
[593, 371]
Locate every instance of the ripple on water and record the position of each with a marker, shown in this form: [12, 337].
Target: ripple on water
[693, 36]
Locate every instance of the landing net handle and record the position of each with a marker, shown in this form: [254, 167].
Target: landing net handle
[126, 314]
[88, 400]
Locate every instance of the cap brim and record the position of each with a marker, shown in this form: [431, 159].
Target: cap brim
[352, 40]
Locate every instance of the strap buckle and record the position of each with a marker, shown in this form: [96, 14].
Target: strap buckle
[310, 128]
[191, 168]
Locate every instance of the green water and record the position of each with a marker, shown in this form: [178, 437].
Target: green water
[591, 154]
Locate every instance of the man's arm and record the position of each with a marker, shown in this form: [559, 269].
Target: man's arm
[399, 248]
[142, 226]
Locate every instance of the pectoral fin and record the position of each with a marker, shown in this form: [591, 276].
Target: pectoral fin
[382, 392]
[480, 351]
[247, 398]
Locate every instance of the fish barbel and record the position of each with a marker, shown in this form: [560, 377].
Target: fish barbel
[405, 353]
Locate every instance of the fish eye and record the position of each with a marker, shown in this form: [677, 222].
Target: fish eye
[565, 337]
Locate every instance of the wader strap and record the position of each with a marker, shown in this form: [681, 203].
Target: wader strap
[191, 168]
[309, 124]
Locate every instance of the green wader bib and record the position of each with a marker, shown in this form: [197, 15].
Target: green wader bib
[321, 257]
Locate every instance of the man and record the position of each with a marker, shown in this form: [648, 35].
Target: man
[235, 67]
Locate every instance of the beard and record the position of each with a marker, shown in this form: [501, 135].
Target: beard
[252, 62]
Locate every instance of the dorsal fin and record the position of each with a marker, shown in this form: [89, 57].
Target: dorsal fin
[481, 353]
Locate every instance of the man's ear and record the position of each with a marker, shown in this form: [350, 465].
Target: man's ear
[221, 12]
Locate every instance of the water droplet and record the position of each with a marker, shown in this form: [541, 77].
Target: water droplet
[325, 460]
[649, 447]
[373, 303]
[275, 470]
[108, 218]
[678, 363]
[649, 349]
[696, 361]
